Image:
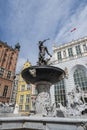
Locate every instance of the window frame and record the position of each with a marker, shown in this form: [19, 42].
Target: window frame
[21, 99]
[70, 52]
[2, 71]
[5, 91]
[78, 50]
[9, 75]
[27, 98]
[80, 78]
[60, 93]
[59, 56]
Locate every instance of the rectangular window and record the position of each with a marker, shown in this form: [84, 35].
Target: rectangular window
[1, 72]
[27, 98]
[21, 98]
[22, 87]
[26, 107]
[5, 91]
[60, 95]
[78, 50]
[59, 55]
[28, 86]
[8, 74]
[20, 107]
[70, 52]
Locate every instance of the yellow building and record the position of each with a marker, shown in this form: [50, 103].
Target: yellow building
[24, 94]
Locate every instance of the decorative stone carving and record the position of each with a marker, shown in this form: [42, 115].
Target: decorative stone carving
[6, 108]
[16, 110]
[33, 72]
[77, 105]
[43, 99]
[66, 72]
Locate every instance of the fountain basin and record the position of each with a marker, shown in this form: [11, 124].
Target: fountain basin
[42, 77]
[42, 123]
[46, 73]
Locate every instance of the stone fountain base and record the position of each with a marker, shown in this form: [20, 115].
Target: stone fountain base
[43, 99]
[42, 123]
[42, 77]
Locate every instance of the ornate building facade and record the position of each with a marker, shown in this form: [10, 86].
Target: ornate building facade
[14, 89]
[23, 99]
[8, 60]
[71, 57]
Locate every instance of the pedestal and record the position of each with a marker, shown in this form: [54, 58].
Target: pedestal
[42, 77]
[43, 99]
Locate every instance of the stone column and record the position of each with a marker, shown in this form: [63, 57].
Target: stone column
[43, 99]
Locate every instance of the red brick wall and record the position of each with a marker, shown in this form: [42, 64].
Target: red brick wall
[8, 60]
[3, 83]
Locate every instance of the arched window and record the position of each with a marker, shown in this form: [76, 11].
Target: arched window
[60, 95]
[80, 78]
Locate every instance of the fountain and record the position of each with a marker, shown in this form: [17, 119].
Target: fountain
[46, 117]
[42, 76]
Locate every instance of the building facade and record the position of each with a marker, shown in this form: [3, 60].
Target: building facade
[14, 89]
[8, 60]
[23, 99]
[72, 58]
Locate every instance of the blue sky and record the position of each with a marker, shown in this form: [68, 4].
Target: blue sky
[29, 21]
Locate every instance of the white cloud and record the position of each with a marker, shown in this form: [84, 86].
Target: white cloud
[29, 21]
[78, 20]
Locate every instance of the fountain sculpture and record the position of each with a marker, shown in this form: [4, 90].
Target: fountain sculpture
[43, 76]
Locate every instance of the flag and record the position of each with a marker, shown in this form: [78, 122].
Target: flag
[73, 29]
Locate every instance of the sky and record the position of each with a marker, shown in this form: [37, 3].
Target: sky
[29, 21]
